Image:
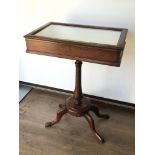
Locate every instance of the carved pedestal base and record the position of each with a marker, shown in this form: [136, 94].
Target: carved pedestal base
[79, 106]
[79, 110]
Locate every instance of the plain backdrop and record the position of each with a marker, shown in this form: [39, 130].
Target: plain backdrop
[14, 25]
[99, 80]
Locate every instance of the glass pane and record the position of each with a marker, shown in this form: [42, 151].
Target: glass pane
[80, 34]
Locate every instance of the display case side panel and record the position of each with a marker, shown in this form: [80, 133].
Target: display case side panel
[71, 51]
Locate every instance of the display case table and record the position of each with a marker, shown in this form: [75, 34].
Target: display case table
[102, 45]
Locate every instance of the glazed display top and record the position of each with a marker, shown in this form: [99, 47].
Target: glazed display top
[81, 34]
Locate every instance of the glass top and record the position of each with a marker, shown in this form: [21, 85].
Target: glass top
[80, 34]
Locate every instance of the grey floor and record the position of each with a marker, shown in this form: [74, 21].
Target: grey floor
[23, 91]
[72, 135]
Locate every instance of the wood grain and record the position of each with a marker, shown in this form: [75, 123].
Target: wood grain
[74, 51]
[72, 135]
[77, 50]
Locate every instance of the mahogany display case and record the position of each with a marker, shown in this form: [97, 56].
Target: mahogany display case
[95, 44]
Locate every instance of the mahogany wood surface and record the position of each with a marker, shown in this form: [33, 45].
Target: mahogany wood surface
[76, 50]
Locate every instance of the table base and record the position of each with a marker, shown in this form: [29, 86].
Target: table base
[79, 111]
[79, 106]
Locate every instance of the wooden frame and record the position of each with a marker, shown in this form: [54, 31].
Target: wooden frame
[76, 50]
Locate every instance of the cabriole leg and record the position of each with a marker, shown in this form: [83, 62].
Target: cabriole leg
[96, 111]
[92, 126]
[61, 112]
